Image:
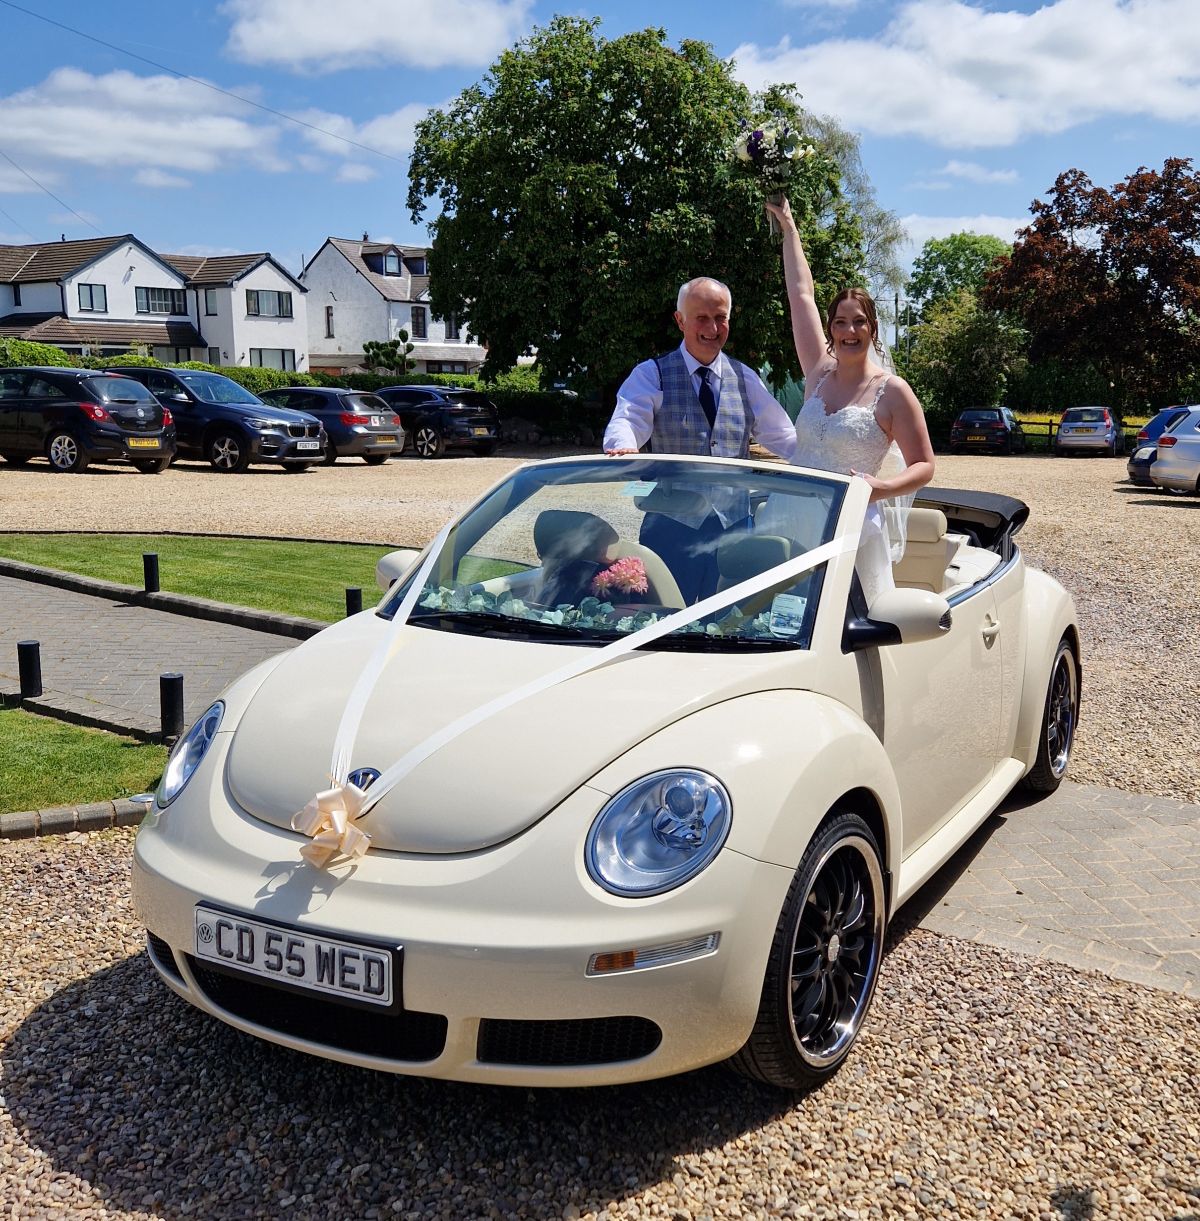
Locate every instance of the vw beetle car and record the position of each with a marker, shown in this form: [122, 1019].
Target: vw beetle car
[580, 833]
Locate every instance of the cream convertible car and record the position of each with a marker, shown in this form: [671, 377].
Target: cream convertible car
[533, 820]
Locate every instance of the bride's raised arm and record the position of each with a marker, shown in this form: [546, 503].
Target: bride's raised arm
[807, 331]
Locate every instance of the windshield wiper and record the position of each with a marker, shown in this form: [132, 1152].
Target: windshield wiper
[699, 642]
[510, 625]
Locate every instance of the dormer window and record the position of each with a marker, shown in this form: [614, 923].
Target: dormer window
[391, 264]
[415, 264]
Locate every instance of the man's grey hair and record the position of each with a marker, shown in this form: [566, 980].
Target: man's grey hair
[685, 289]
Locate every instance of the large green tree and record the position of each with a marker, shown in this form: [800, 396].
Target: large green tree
[948, 265]
[584, 179]
[1111, 279]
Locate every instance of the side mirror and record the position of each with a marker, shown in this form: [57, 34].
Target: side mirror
[899, 616]
[393, 566]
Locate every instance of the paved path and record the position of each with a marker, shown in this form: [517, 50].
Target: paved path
[1091, 877]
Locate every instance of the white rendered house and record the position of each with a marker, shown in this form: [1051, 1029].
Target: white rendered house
[362, 291]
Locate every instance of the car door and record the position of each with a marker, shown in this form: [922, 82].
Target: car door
[43, 408]
[12, 389]
[188, 424]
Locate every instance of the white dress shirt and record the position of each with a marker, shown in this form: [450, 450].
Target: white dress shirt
[641, 395]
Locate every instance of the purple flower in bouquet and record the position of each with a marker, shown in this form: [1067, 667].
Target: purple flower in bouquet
[772, 151]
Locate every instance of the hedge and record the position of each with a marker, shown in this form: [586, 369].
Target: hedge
[15, 352]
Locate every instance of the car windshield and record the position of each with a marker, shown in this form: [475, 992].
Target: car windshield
[1085, 415]
[467, 398]
[979, 417]
[120, 390]
[366, 402]
[586, 551]
[213, 388]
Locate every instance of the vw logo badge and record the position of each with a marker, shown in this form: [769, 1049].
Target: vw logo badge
[141, 413]
[364, 777]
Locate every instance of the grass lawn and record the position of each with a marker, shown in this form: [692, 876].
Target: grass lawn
[308, 579]
[46, 763]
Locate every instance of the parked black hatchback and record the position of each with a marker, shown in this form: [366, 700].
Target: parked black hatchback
[74, 417]
[227, 424]
[436, 418]
[357, 424]
[993, 428]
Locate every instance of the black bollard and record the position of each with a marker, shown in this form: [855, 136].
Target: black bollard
[353, 600]
[29, 666]
[150, 571]
[170, 701]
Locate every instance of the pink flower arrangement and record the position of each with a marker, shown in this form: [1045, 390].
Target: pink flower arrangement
[624, 576]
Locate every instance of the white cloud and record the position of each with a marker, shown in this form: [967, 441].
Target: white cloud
[13, 182]
[119, 119]
[308, 35]
[973, 172]
[158, 178]
[921, 228]
[388, 133]
[354, 171]
[959, 75]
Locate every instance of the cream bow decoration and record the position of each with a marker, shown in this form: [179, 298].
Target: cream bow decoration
[329, 820]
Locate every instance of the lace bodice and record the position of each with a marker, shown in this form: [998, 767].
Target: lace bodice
[850, 439]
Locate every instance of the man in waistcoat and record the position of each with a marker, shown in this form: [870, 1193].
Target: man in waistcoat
[696, 400]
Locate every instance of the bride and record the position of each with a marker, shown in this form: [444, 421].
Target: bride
[858, 418]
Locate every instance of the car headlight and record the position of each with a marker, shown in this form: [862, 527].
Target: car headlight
[658, 832]
[188, 753]
[260, 422]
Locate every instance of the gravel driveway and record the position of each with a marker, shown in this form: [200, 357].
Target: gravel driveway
[986, 1084]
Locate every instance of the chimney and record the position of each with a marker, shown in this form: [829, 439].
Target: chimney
[62, 237]
[366, 237]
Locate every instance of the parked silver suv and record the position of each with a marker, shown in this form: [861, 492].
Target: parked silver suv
[1177, 466]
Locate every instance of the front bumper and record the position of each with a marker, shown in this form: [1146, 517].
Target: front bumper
[273, 446]
[496, 945]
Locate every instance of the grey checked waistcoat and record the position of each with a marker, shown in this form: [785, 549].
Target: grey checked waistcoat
[679, 423]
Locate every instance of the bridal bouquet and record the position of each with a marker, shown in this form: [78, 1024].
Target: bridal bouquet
[774, 152]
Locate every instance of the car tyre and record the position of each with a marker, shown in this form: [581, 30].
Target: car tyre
[824, 960]
[1059, 718]
[375, 459]
[228, 452]
[152, 466]
[297, 467]
[65, 453]
[15, 459]
[486, 449]
[330, 456]
[429, 442]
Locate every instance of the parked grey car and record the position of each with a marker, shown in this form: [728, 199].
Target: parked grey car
[1177, 466]
[357, 425]
[1089, 430]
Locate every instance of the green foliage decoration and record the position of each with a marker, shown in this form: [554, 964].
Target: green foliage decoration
[18, 352]
[392, 354]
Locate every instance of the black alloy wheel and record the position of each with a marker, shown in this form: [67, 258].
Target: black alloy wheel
[152, 466]
[824, 961]
[228, 452]
[65, 453]
[429, 442]
[375, 459]
[15, 459]
[1059, 719]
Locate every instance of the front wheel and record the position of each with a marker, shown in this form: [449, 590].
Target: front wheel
[375, 459]
[1058, 723]
[152, 466]
[824, 962]
[330, 456]
[228, 453]
[65, 453]
[428, 442]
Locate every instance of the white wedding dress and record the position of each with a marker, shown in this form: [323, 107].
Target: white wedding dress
[851, 440]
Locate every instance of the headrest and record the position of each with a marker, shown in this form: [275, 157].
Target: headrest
[569, 534]
[926, 525]
[739, 559]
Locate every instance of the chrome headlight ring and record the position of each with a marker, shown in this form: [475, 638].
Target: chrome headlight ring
[188, 753]
[658, 832]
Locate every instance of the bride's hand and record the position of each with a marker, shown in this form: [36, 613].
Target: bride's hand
[782, 212]
[879, 488]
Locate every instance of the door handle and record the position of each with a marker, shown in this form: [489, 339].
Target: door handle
[991, 629]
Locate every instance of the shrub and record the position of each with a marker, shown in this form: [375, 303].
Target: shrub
[253, 377]
[15, 352]
[127, 358]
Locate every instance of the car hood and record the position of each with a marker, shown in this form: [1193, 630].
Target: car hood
[269, 411]
[496, 778]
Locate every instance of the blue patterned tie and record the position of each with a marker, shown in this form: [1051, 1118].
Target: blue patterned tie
[708, 400]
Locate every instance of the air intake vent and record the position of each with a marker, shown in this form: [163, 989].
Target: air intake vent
[570, 1041]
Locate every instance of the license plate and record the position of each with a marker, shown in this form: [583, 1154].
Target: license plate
[308, 444]
[977, 436]
[385, 440]
[143, 442]
[482, 432]
[345, 969]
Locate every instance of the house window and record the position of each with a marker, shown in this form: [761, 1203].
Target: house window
[453, 330]
[391, 264]
[266, 303]
[93, 297]
[329, 322]
[161, 300]
[16, 294]
[274, 358]
[444, 366]
[420, 329]
[210, 302]
[214, 356]
[171, 356]
[416, 265]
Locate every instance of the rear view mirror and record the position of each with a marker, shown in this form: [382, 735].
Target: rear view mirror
[899, 616]
[393, 566]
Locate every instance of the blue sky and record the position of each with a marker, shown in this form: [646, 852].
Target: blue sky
[967, 110]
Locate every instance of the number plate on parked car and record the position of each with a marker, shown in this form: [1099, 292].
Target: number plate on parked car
[308, 444]
[976, 436]
[481, 432]
[143, 442]
[289, 955]
[385, 440]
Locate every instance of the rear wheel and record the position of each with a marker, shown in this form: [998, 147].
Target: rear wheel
[297, 467]
[485, 449]
[824, 961]
[65, 453]
[375, 459]
[429, 442]
[228, 453]
[1058, 723]
[152, 466]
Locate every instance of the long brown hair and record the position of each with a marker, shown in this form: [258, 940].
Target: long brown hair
[863, 298]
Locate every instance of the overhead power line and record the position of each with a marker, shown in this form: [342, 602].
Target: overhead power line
[42, 187]
[185, 76]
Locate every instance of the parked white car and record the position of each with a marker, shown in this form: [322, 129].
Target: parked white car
[579, 832]
[1177, 466]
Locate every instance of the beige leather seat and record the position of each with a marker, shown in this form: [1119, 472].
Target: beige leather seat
[739, 559]
[927, 552]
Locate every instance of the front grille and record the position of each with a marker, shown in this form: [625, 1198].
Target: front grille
[406, 1036]
[569, 1041]
[304, 430]
[161, 954]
